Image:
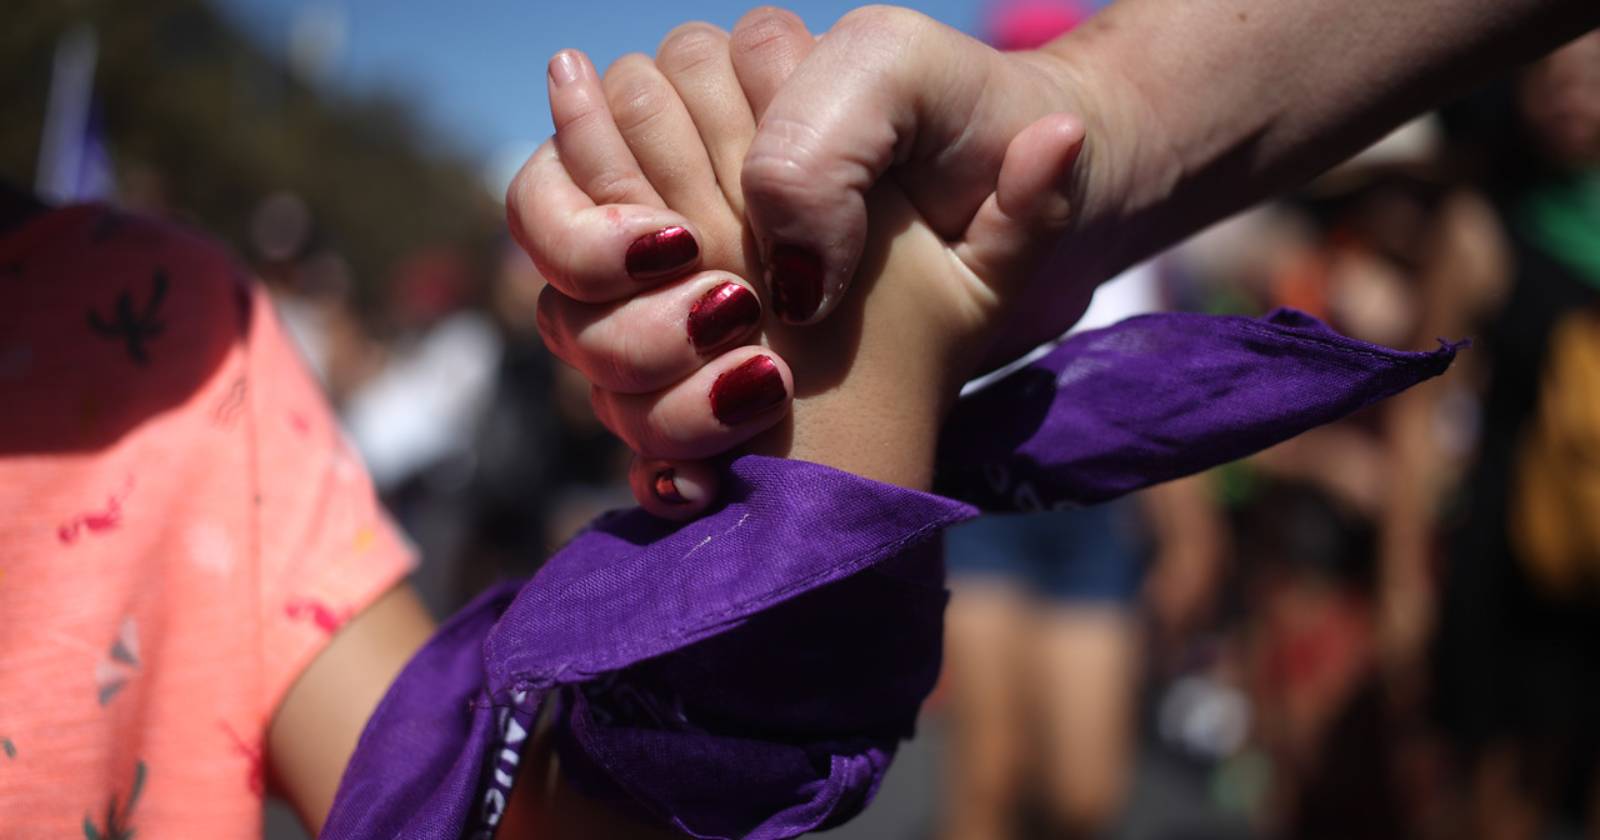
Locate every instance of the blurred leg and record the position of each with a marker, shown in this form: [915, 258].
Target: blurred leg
[1594, 809]
[985, 630]
[1501, 810]
[1084, 661]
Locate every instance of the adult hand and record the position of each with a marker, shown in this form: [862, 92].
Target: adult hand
[889, 91]
[1181, 132]
[599, 311]
[646, 302]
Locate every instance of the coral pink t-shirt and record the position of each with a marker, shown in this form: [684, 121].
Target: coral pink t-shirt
[182, 529]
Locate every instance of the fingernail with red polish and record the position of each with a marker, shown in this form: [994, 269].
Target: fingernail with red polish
[666, 488]
[722, 315]
[747, 391]
[796, 275]
[656, 255]
[564, 68]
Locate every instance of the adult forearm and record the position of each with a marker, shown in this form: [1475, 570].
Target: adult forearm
[1212, 105]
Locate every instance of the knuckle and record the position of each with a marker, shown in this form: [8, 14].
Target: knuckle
[520, 186]
[660, 435]
[636, 92]
[618, 184]
[691, 46]
[763, 28]
[631, 362]
[783, 163]
[801, 166]
[522, 195]
[576, 117]
[881, 19]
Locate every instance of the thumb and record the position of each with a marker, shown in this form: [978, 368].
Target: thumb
[826, 137]
[1031, 207]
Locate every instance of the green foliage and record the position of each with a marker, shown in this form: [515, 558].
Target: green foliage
[192, 106]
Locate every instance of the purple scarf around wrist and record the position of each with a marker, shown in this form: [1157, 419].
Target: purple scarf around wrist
[750, 674]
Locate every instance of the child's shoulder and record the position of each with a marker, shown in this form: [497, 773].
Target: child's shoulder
[91, 249]
[111, 315]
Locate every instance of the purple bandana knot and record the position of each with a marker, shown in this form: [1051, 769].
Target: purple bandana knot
[749, 674]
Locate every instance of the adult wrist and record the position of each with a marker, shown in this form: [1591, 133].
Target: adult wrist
[1126, 165]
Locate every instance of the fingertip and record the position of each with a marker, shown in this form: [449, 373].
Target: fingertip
[808, 209]
[662, 254]
[1034, 184]
[795, 276]
[675, 490]
[567, 67]
[753, 393]
[1068, 128]
[733, 398]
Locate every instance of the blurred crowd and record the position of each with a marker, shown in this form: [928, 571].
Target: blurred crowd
[1388, 627]
[482, 446]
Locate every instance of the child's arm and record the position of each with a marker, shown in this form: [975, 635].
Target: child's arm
[314, 732]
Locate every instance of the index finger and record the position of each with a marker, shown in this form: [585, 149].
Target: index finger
[594, 253]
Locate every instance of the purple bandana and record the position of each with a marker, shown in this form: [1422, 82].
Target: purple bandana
[750, 674]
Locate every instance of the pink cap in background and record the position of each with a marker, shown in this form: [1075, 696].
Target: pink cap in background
[1026, 24]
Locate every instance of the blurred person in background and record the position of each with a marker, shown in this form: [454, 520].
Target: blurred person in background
[1044, 652]
[1042, 633]
[543, 464]
[311, 287]
[1338, 534]
[414, 421]
[1517, 666]
[1340, 530]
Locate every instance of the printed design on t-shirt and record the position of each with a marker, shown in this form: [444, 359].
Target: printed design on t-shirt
[255, 778]
[9, 747]
[100, 520]
[135, 326]
[120, 664]
[118, 825]
[232, 404]
[210, 548]
[326, 618]
[366, 538]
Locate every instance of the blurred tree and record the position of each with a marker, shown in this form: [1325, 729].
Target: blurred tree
[201, 120]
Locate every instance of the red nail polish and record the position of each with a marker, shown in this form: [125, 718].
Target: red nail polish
[666, 487]
[747, 391]
[722, 315]
[656, 255]
[796, 275]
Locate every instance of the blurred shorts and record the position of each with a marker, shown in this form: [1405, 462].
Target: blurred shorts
[1093, 554]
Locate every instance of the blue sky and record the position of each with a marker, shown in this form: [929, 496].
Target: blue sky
[475, 68]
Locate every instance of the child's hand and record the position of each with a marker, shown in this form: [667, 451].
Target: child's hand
[674, 134]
